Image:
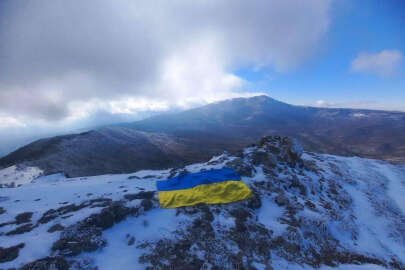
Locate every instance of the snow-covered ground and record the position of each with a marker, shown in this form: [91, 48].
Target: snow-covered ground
[14, 176]
[356, 204]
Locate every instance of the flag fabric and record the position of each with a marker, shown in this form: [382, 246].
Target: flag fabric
[210, 187]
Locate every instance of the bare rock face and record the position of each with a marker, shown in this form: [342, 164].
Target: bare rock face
[78, 238]
[269, 153]
[241, 167]
[285, 148]
[281, 200]
[23, 217]
[10, 253]
[58, 263]
[21, 229]
[273, 150]
[56, 227]
[86, 236]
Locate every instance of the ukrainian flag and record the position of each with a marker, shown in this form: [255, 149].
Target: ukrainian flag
[210, 187]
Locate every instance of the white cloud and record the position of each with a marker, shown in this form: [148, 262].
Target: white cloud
[68, 59]
[383, 64]
[357, 104]
[323, 103]
[10, 122]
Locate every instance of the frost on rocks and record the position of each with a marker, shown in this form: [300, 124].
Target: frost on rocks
[308, 211]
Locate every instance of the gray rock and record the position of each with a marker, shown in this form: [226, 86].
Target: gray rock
[22, 229]
[239, 166]
[147, 204]
[48, 263]
[56, 227]
[10, 253]
[140, 195]
[23, 217]
[281, 200]
[131, 241]
[78, 238]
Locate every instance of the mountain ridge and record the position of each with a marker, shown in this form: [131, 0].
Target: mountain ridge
[195, 135]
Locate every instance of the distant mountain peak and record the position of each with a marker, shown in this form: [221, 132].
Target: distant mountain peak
[196, 134]
[258, 98]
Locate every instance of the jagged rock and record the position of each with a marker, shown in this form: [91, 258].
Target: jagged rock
[48, 216]
[48, 263]
[100, 202]
[295, 183]
[22, 229]
[120, 211]
[172, 255]
[147, 204]
[293, 150]
[23, 217]
[104, 220]
[240, 167]
[260, 158]
[285, 148]
[87, 234]
[310, 165]
[240, 215]
[83, 264]
[131, 241]
[7, 223]
[56, 227]
[62, 211]
[255, 202]
[310, 205]
[78, 238]
[177, 171]
[140, 195]
[110, 215]
[10, 253]
[281, 200]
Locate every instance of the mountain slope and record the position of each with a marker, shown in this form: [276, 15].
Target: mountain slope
[196, 135]
[375, 134]
[309, 211]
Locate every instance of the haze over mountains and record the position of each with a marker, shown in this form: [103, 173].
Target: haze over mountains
[196, 135]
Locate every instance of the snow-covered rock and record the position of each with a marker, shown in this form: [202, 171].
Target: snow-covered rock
[309, 211]
[15, 176]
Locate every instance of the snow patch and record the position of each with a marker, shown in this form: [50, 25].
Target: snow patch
[269, 214]
[15, 176]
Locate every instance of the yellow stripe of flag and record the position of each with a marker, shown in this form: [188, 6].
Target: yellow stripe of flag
[221, 192]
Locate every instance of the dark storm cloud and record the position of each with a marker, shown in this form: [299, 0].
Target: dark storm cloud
[54, 53]
[43, 39]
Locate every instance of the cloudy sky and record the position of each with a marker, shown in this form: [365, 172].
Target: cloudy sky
[72, 64]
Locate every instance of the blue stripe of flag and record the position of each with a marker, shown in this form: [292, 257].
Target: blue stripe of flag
[194, 179]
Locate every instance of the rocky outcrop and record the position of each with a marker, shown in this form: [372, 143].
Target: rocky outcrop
[10, 253]
[23, 217]
[86, 236]
[59, 263]
[306, 239]
[303, 211]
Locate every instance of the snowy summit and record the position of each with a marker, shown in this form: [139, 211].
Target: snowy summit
[308, 211]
